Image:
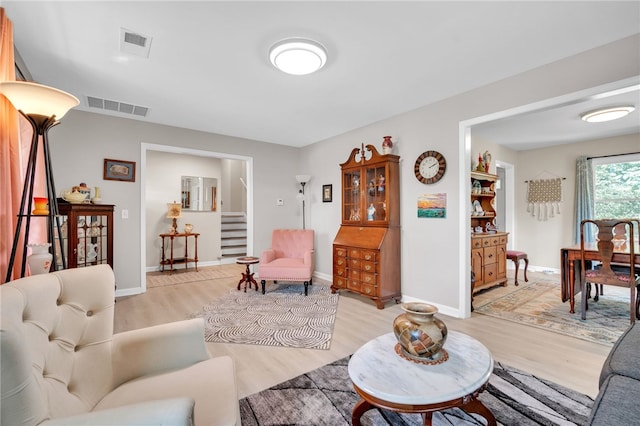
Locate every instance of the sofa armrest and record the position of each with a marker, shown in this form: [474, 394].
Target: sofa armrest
[175, 411]
[268, 255]
[156, 349]
[308, 257]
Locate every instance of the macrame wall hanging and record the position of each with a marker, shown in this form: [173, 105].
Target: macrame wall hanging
[544, 197]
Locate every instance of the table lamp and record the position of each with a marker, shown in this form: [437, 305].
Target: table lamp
[174, 211]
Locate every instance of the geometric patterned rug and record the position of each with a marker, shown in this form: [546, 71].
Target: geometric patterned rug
[326, 397]
[538, 304]
[283, 316]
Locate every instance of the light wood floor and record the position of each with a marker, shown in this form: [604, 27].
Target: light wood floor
[568, 361]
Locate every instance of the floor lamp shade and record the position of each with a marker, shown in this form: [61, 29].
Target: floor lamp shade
[37, 99]
[43, 107]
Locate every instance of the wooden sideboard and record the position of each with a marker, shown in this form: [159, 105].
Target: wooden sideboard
[489, 260]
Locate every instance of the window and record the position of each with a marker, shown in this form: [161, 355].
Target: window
[617, 187]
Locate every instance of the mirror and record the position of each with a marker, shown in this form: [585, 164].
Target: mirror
[199, 194]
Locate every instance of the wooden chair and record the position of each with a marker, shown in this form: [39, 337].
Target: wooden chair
[604, 274]
[619, 233]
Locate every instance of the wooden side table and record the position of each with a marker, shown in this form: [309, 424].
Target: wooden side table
[384, 379]
[171, 260]
[247, 277]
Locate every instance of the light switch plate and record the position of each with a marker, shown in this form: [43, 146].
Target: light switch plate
[279, 202]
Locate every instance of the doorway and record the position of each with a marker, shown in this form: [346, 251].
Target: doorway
[151, 200]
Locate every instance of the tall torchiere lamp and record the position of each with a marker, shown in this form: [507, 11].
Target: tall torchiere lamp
[43, 107]
[302, 180]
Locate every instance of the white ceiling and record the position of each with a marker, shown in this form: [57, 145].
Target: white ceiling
[208, 66]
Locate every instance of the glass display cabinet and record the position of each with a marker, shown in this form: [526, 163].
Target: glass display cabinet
[366, 250]
[87, 234]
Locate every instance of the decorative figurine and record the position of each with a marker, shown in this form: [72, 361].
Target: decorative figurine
[387, 145]
[381, 183]
[487, 161]
[371, 212]
[372, 188]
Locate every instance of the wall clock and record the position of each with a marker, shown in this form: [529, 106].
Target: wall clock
[430, 167]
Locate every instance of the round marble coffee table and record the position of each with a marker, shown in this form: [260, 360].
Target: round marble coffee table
[385, 379]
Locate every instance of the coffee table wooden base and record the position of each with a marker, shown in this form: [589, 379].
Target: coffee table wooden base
[469, 403]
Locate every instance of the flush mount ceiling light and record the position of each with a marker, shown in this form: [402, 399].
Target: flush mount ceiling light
[607, 114]
[298, 56]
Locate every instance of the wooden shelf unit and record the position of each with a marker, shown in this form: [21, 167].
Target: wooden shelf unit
[489, 247]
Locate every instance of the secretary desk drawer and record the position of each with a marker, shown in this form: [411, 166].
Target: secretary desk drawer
[369, 255]
[368, 278]
[340, 251]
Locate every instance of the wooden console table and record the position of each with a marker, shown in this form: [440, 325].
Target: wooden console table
[171, 260]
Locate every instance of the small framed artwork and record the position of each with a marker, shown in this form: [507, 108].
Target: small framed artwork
[327, 193]
[432, 206]
[119, 170]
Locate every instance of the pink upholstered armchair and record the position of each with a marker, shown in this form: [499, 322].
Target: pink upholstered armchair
[290, 257]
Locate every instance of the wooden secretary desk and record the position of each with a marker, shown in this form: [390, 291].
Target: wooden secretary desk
[366, 250]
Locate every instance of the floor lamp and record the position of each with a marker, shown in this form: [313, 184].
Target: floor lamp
[43, 107]
[302, 180]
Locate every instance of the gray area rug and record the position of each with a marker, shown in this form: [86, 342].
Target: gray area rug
[326, 397]
[283, 316]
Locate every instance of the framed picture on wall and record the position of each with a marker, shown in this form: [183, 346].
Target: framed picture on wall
[327, 193]
[119, 170]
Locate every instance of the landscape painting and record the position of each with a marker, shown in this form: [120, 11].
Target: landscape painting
[432, 206]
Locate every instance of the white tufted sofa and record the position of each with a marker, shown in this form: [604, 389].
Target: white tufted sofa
[62, 364]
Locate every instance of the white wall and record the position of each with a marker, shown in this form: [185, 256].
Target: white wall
[163, 185]
[81, 142]
[542, 240]
[435, 252]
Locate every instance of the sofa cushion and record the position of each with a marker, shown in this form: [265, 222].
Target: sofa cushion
[623, 358]
[216, 401]
[617, 402]
[286, 269]
[174, 412]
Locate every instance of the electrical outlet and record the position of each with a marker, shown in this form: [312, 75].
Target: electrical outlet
[279, 202]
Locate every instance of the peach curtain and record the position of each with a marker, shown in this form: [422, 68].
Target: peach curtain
[15, 140]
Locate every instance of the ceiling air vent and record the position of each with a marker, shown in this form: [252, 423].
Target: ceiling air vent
[115, 106]
[134, 43]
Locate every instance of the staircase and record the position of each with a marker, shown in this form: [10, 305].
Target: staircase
[233, 234]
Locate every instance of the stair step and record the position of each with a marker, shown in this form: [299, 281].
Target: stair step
[227, 226]
[233, 219]
[234, 250]
[241, 233]
[225, 242]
